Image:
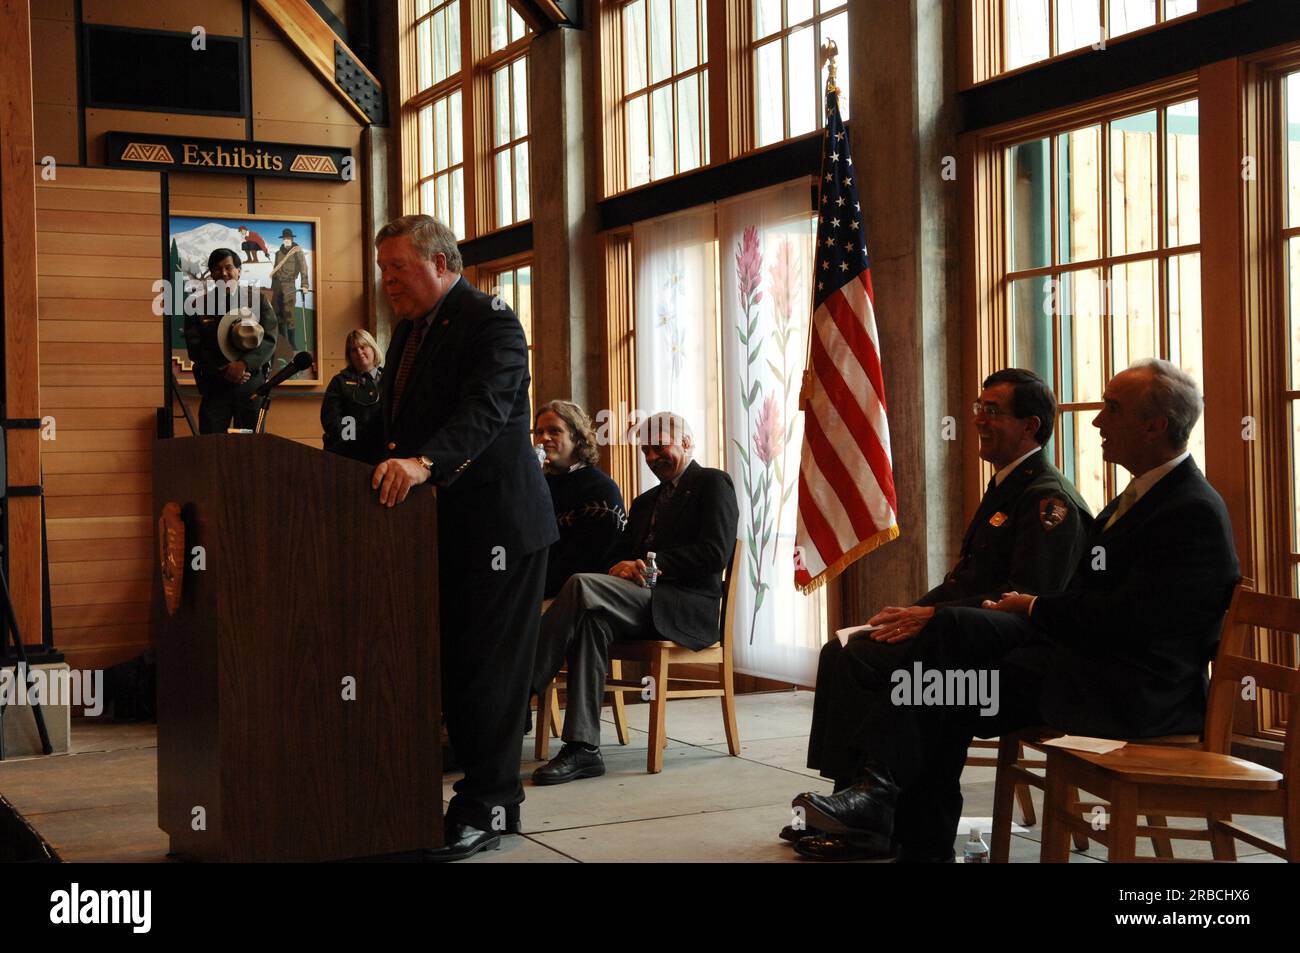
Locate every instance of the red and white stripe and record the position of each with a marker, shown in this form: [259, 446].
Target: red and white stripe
[847, 502]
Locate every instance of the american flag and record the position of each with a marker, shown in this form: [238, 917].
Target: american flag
[847, 503]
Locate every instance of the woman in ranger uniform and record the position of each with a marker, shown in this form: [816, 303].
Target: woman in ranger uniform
[351, 413]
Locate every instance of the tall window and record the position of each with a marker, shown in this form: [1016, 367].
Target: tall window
[442, 162]
[1291, 240]
[466, 107]
[510, 142]
[506, 26]
[514, 284]
[1035, 30]
[788, 76]
[1103, 257]
[664, 88]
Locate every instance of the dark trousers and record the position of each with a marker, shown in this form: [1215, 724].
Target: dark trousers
[856, 718]
[218, 408]
[489, 637]
[590, 611]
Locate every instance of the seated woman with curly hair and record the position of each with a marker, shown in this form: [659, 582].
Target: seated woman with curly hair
[588, 506]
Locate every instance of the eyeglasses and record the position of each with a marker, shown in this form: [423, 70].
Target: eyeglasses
[989, 410]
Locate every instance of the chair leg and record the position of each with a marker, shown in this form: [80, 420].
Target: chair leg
[1163, 846]
[1055, 846]
[617, 703]
[1223, 845]
[1004, 789]
[1122, 824]
[546, 705]
[1080, 840]
[658, 706]
[729, 713]
[556, 723]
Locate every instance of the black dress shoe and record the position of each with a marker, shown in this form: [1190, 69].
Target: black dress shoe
[463, 841]
[795, 834]
[864, 811]
[842, 848]
[573, 762]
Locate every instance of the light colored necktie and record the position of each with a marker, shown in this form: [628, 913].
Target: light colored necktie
[1126, 501]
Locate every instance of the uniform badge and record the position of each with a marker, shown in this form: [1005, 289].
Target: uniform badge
[997, 519]
[1052, 512]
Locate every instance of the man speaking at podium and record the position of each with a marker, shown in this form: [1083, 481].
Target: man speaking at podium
[457, 415]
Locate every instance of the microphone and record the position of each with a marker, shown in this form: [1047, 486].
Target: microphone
[301, 361]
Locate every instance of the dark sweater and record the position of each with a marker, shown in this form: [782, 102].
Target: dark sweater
[589, 512]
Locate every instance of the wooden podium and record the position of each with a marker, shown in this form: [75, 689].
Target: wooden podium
[298, 680]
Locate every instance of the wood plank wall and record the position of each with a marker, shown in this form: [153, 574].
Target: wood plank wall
[98, 254]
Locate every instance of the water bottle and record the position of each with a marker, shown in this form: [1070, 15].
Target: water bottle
[976, 852]
[652, 571]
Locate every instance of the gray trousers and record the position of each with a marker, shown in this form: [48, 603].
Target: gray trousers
[591, 611]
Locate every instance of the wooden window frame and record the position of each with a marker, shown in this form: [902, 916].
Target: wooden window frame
[982, 37]
[986, 289]
[474, 80]
[509, 146]
[1268, 392]
[614, 98]
[782, 36]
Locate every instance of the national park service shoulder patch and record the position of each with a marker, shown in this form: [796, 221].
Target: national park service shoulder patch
[1052, 512]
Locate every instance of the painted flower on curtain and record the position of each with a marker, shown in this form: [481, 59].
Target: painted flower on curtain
[783, 279]
[671, 293]
[756, 474]
[768, 438]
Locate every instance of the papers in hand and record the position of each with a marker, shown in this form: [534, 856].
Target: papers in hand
[1080, 743]
[845, 634]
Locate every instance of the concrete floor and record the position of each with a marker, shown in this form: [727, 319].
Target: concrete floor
[709, 806]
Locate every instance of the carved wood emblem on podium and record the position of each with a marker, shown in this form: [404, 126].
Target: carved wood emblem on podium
[171, 554]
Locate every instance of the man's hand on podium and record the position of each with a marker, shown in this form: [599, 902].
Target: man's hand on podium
[394, 479]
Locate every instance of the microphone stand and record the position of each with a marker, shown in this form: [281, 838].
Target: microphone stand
[264, 408]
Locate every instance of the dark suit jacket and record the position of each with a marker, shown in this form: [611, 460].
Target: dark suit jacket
[1134, 633]
[693, 541]
[466, 408]
[1026, 536]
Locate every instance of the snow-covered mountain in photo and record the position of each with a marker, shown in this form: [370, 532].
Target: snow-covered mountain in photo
[196, 244]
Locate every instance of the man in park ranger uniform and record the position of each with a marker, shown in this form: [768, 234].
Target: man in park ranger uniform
[1027, 535]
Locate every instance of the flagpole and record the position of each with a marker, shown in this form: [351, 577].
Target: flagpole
[829, 51]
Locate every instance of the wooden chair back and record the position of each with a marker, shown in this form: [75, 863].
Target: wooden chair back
[1236, 670]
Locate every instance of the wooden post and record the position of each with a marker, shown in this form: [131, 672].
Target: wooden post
[18, 233]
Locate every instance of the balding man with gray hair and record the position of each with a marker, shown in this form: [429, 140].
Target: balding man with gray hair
[1121, 652]
[689, 522]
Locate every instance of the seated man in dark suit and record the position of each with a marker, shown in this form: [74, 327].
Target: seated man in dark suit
[1120, 652]
[1027, 534]
[689, 522]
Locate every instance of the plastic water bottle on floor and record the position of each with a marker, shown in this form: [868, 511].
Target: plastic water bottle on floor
[976, 852]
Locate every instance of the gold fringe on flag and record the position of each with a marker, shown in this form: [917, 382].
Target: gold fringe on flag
[889, 534]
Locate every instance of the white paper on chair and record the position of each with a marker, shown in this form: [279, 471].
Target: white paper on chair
[845, 634]
[1080, 743]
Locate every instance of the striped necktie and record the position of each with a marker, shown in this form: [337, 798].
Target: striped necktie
[409, 352]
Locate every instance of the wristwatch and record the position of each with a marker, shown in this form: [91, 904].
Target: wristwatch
[425, 462]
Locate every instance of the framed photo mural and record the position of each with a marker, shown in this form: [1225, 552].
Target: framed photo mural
[277, 257]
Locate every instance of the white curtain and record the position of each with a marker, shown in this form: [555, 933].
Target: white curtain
[691, 359]
[676, 331]
[765, 252]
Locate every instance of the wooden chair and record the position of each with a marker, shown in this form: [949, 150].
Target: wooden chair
[1207, 782]
[1017, 774]
[662, 655]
